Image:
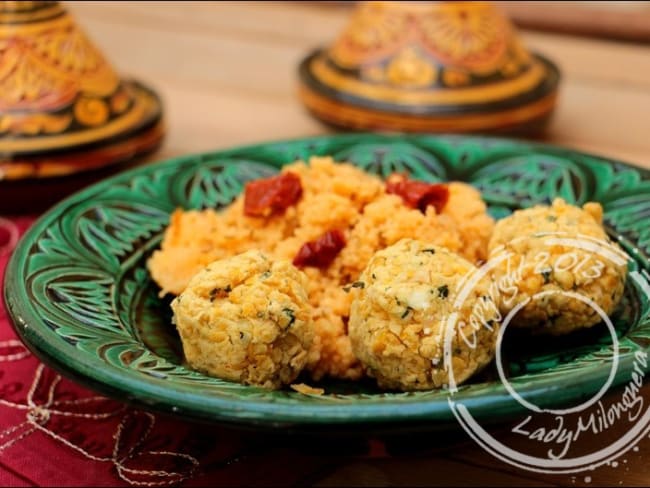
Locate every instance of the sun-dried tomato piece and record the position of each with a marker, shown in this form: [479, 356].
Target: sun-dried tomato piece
[321, 252]
[418, 194]
[271, 195]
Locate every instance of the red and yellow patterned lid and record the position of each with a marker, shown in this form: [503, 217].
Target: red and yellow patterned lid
[429, 66]
[63, 109]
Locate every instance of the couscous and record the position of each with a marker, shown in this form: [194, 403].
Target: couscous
[339, 205]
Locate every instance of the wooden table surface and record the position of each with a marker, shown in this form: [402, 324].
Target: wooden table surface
[227, 73]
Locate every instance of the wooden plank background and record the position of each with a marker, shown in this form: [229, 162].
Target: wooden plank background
[227, 72]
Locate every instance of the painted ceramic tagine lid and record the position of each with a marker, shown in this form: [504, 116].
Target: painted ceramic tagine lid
[63, 109]
[429, 67]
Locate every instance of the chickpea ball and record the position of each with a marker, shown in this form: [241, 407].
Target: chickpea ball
[400, 311]
[560, 263]
[246, 319]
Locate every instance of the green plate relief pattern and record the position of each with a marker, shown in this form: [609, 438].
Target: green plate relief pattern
[81, 297]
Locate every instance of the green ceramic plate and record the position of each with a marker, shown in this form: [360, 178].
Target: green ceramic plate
[79, 294]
